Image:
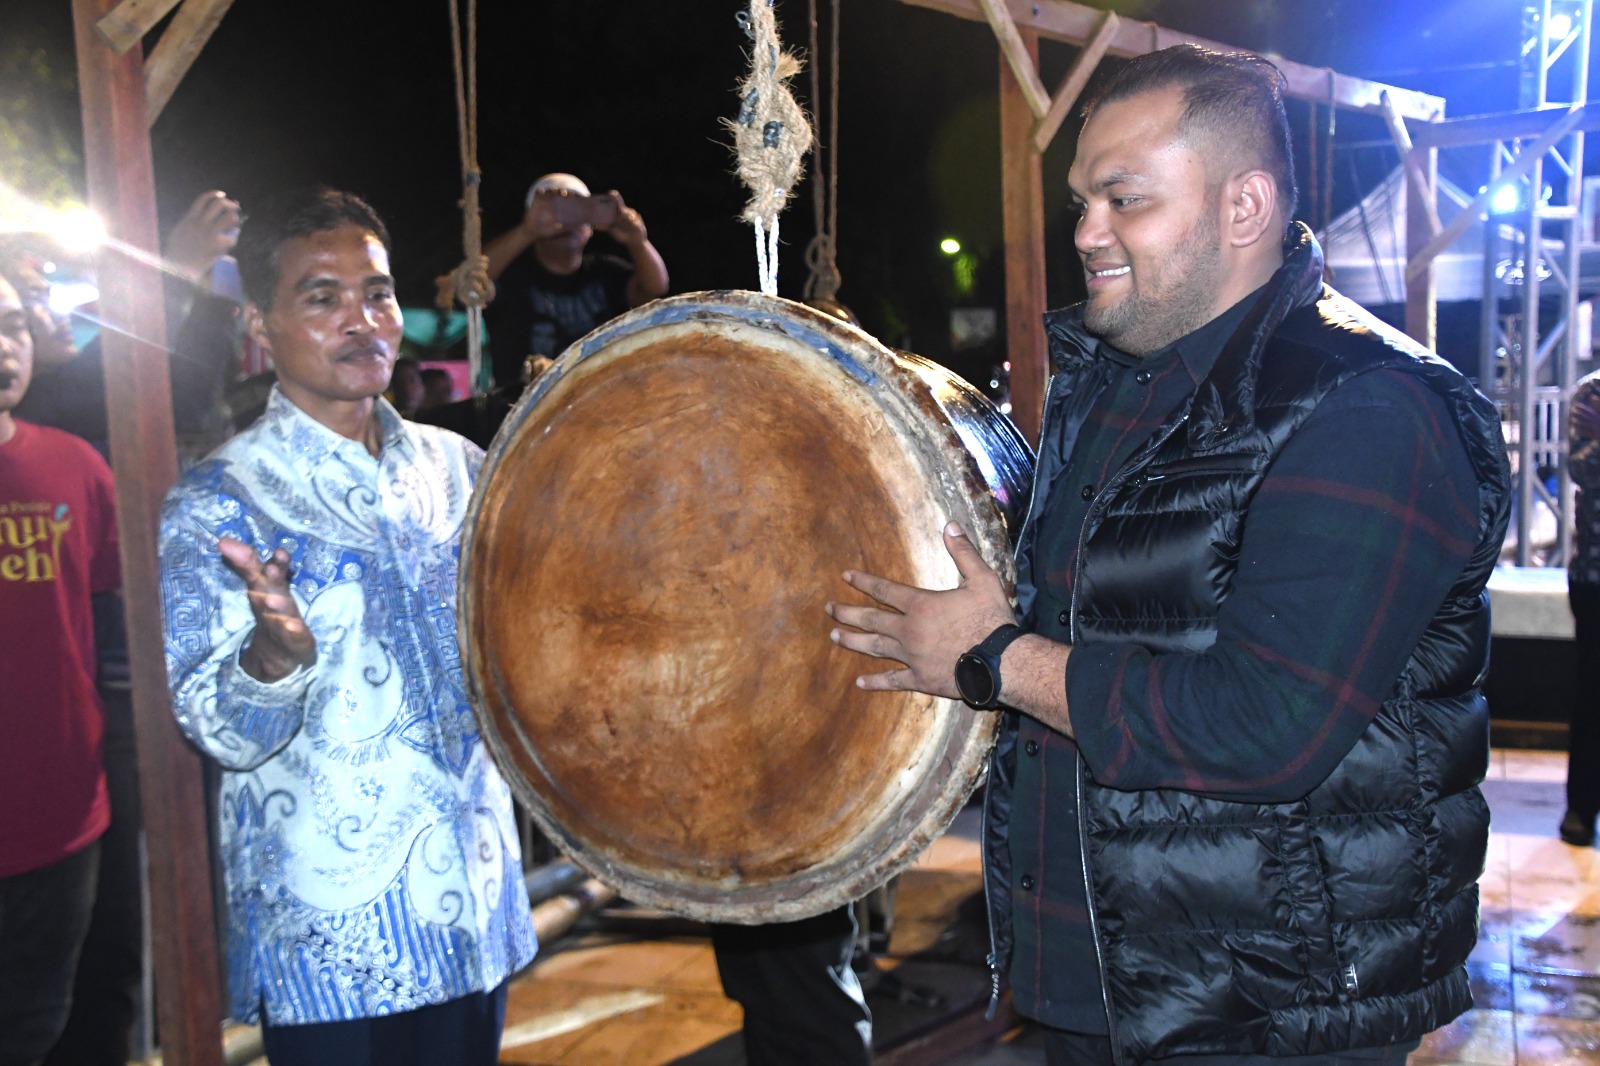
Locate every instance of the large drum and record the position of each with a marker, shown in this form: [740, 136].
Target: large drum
[654, 535]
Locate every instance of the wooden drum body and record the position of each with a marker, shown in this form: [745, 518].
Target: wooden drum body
[648, 551]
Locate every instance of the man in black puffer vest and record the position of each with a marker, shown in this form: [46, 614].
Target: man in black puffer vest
[1233, 813]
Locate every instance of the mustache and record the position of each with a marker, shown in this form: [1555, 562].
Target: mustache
[365, 348]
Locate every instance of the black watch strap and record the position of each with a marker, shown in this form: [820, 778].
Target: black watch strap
[978, 671]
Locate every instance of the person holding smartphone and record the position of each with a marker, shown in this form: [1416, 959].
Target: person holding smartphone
[551, 288]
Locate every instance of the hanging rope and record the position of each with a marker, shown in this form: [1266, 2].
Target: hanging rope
[771, 135]
[823, 281]
[469, 283]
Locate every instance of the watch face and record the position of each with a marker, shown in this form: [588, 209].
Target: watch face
[975, 680]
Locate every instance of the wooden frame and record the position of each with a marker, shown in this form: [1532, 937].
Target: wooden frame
[113, 87]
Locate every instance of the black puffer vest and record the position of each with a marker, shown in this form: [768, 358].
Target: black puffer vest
[1343, 919]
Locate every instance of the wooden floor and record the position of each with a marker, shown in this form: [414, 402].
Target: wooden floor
[607, 999]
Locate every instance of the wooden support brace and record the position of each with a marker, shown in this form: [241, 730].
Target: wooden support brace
[1072, 85]
[1074, 23]
[1517, 170]
[1414, 174]
[126, 24]
[177, 50]
[1022, 65]
[1022, 221]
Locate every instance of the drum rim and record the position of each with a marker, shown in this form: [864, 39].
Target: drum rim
[966, 761]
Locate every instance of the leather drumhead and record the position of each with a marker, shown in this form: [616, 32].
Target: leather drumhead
[649, 548]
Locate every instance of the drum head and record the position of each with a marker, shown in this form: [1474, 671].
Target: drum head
[649, 549]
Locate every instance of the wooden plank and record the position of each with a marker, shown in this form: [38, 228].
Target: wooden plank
[1526, 160]
[1024, 64]
[1421, 305]
[126, 24]
[952, 1034]
[1061, 20]
[1073, 84]
[122, 190]
[177, 50]
[1413, 165]
[1501, 126]
[1022, 212]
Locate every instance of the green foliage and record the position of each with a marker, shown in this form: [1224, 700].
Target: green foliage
[40, 143]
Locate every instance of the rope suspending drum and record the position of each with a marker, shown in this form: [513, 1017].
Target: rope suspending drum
[771, 135]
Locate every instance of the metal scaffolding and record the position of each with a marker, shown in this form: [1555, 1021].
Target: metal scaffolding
[1527, 365]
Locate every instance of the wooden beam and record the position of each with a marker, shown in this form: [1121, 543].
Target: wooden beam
[122, 189]
[177, 50]
[1024, 64]
[126, 24]
[1073, 84]
[1061, 20]
[1525, 161]
[1502, 126]
[1421, 292]
[1415, 174]
[1022, 213]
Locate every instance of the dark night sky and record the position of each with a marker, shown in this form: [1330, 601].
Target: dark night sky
[630, 95]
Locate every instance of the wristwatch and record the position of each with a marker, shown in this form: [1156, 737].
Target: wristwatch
[978, 671]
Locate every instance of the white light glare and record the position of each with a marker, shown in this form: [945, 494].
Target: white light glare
[67, 297]
[1558, 27]
[77, 229]
[1505, 199]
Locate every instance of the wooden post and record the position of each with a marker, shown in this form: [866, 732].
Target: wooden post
[122, 190]
[1022, 189]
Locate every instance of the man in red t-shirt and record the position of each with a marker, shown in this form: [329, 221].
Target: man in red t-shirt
[58, 546]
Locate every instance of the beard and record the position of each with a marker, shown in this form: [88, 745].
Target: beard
[1174, 298]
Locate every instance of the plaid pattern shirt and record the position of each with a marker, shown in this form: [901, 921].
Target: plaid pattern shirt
[1353, 539]
[1583, 460]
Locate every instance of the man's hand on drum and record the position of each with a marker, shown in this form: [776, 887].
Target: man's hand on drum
[926, 629]
[282, 642]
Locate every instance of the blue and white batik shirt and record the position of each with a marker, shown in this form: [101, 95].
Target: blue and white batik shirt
[371, 859]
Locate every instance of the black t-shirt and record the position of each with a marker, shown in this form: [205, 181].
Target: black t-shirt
[540, 313]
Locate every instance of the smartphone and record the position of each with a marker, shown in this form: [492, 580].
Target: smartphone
[597, 211]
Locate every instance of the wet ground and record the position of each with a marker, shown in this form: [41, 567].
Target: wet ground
[608, 997]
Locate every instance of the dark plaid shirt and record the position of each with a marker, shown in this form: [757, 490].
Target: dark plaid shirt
[1583, 460]
[1352, 541]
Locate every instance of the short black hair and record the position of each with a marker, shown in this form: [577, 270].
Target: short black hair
[1231, 96]
[296, 214]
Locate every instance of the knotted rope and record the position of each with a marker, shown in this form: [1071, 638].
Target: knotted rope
[771, 135]
[469, 283]
[823, 281]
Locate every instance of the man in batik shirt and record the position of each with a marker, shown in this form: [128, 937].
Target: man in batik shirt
[375, 895]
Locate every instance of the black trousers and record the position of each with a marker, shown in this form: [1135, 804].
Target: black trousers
[1062, 1048]
[44, 915]
[1583, 739]
[105, 992]
[460, 1032]
[802, 1003]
